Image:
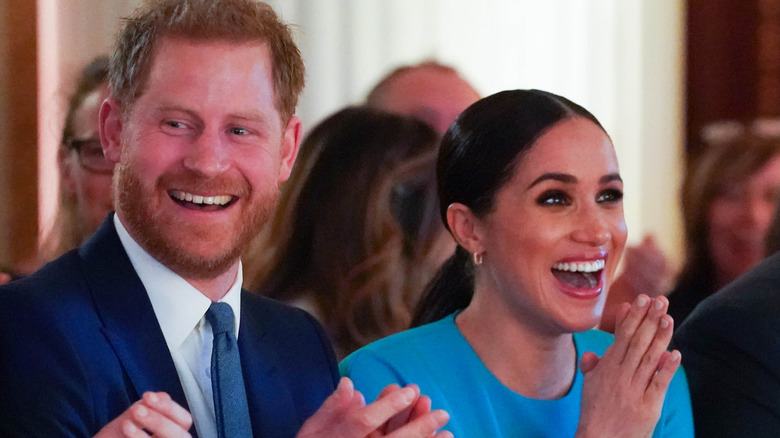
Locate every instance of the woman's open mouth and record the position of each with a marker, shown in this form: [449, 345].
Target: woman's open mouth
[579, 275]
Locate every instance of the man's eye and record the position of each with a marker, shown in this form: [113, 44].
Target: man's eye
[611, 195]
[174, 124]
[553, 198]
[238, 131]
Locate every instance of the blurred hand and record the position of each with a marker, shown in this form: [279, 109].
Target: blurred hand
[645, 271]
[156, 414]
[624, 390]
[397, 412]
[4, 278]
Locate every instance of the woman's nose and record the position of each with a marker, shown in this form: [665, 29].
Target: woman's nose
[591, 228]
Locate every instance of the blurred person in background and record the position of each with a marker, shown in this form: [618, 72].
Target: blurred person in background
[85, 186]
[729, 195]
[85, 196]
[729, 346]
[430, 91]
[361, 235]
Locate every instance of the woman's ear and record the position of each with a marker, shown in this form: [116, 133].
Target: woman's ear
[465, 227]
[111, 129]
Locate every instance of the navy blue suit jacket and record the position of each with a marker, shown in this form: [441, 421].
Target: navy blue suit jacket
[79, 343]
[730, 348]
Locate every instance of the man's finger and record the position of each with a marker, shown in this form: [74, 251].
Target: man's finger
[155, 422]
[361, 422]
[162, 403]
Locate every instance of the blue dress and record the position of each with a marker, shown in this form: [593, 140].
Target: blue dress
[439, 359]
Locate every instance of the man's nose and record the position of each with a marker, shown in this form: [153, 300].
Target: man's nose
[208, 154]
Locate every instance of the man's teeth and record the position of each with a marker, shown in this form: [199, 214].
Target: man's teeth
[580, 266]
[205, 200]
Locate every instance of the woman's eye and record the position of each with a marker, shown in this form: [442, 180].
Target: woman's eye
[553, 198]
[611, 195]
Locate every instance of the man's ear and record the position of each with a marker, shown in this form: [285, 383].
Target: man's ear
[110, 120]
[291, 141]
[465, 227]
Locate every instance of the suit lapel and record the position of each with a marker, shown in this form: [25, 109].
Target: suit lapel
[129, 322]
[270, 402]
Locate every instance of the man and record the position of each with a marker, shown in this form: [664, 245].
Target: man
[432, 92]
[730, 348]
[120, 337]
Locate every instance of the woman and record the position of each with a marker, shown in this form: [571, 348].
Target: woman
[529, 187]
[358, 228]
[85, 196]
[85, 175]
[729, 195]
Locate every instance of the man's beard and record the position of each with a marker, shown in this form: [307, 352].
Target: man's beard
[148, 225]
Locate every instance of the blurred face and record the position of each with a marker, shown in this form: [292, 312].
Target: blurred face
[554, 240]
[738, 220]
[91, 188]
[201, 154]
[433, 96]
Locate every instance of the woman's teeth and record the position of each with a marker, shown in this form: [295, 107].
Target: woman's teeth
[580, 266]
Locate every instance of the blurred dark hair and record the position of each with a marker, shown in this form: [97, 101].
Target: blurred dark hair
[356, 225]
[477, 157]
[772, 240]
[92, 76]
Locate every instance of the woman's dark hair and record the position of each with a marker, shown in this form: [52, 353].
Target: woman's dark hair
[477, 157]
[358, 221]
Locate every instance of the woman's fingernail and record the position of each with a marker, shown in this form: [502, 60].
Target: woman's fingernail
[408, 395]
[664, 323]
[659, 305]
[641, 301]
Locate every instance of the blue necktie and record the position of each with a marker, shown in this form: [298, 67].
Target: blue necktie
[227, 382]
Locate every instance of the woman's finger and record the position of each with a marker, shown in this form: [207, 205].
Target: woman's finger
[645, 334]
[654, 357]
[626, 327]
[656, 391]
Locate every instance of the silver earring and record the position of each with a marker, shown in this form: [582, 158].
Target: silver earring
[477, 258]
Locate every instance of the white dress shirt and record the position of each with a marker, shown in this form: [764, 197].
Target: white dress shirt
[180, 310]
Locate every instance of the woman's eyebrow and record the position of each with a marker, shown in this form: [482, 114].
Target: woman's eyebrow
[562, 177]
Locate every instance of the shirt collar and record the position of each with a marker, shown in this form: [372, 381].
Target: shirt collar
[178, 305]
